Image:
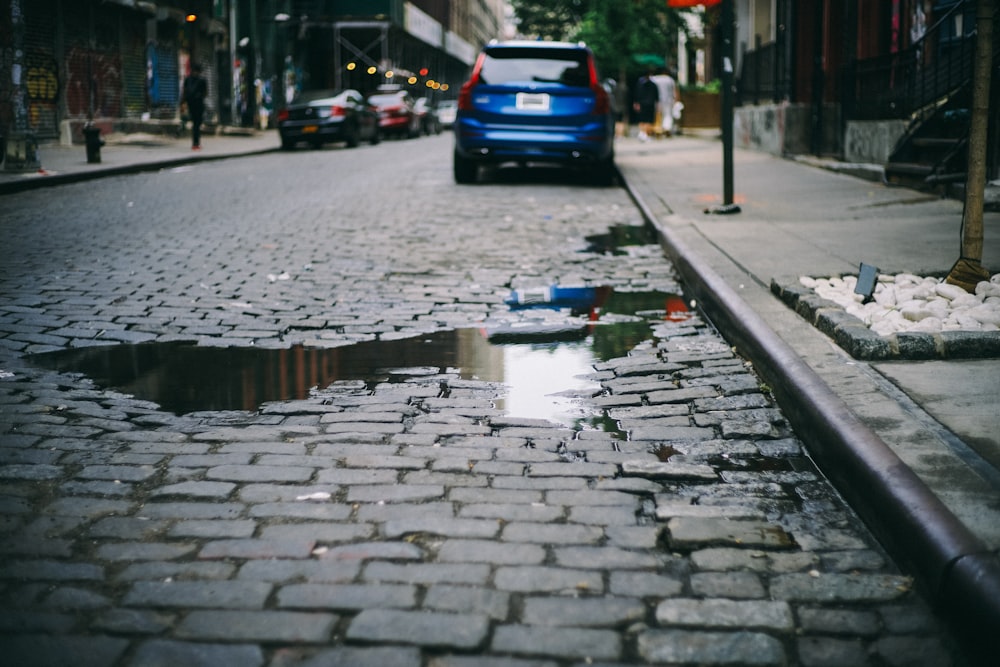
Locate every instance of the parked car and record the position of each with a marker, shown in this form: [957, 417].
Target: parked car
[396, 115]
[446, 111]
[428, 116]
[534, 102]
[324, 116]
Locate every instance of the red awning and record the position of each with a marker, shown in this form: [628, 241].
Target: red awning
[692, 3]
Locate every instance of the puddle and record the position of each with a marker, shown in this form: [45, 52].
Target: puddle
[543, 368]
[621, 236]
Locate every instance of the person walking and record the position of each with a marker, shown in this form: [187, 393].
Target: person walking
[194, 92]
[667, 88]
[644, 104]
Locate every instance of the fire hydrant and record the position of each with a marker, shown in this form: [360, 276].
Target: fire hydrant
[92, 137]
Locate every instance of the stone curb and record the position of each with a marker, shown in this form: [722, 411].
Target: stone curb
[860, 342]
[961, 576]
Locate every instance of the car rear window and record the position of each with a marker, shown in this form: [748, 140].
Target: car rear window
[314, 95]
[533, 65]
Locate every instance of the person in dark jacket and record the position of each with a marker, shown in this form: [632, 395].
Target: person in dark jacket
[194, 92]
[646, 97]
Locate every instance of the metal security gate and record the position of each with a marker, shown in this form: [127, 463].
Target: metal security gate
[38, 106]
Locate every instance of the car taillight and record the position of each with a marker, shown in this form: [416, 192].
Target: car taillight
[338, 111]
[282, 115]
[602, 101]
[465, 93]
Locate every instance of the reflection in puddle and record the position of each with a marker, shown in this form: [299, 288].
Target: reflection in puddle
[621, 236]
[543, 369]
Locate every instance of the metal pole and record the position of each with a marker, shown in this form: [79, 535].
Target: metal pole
[728, 22]
[234, 89]
[338, 64]
[21, 153]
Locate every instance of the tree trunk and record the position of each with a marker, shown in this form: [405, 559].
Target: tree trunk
[968, 270]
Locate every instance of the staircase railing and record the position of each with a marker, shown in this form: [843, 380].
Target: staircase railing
[759, 79]
[898, 85]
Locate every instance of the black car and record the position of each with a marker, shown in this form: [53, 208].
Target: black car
[324, 116]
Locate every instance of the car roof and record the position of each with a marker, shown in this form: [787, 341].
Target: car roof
[306, 96]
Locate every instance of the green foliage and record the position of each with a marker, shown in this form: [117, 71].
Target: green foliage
[549, 19]
[614, 29]
[713, 86]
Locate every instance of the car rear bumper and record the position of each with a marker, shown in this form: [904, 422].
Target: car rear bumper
[590, 143]
[300, 131]
[396, 123]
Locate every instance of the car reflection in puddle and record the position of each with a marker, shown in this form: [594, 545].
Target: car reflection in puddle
[542, 370]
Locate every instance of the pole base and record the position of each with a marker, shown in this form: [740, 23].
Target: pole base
[725, 209]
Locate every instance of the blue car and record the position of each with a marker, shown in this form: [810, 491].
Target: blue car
[534, 102]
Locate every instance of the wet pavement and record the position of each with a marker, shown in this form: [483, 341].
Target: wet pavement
[403, 512]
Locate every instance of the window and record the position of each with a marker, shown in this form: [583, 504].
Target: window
[530, 65]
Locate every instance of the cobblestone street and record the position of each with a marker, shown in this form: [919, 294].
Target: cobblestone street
[405, 519]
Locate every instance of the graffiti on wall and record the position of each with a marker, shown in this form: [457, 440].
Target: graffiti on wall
[93, 83]
[41, 88]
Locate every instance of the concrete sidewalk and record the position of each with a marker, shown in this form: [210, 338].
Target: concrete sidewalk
[913, 444]
[129, 153]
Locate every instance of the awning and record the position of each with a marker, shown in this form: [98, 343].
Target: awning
[692, 3]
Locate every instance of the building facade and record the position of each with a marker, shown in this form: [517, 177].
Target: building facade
[877, 81]
[119, 64]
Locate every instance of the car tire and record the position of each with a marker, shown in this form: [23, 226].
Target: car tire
[353, 136]
[376, 137]
[466, 171]
[287, 144]
[604, 172]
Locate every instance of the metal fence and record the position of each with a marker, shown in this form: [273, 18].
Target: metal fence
[899, 84]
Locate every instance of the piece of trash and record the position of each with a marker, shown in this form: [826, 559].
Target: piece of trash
[319, 551]
[556, 296]
[319, 495]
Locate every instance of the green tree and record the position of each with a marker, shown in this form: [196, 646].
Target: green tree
[968, 270]
[616, 30]
[549, 19]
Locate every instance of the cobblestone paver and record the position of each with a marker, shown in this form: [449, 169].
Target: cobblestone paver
[408, 523]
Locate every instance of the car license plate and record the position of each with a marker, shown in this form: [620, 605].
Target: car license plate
[309, 129]
[532, 101]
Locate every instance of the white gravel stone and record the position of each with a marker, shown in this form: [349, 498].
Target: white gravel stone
[906, 302]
